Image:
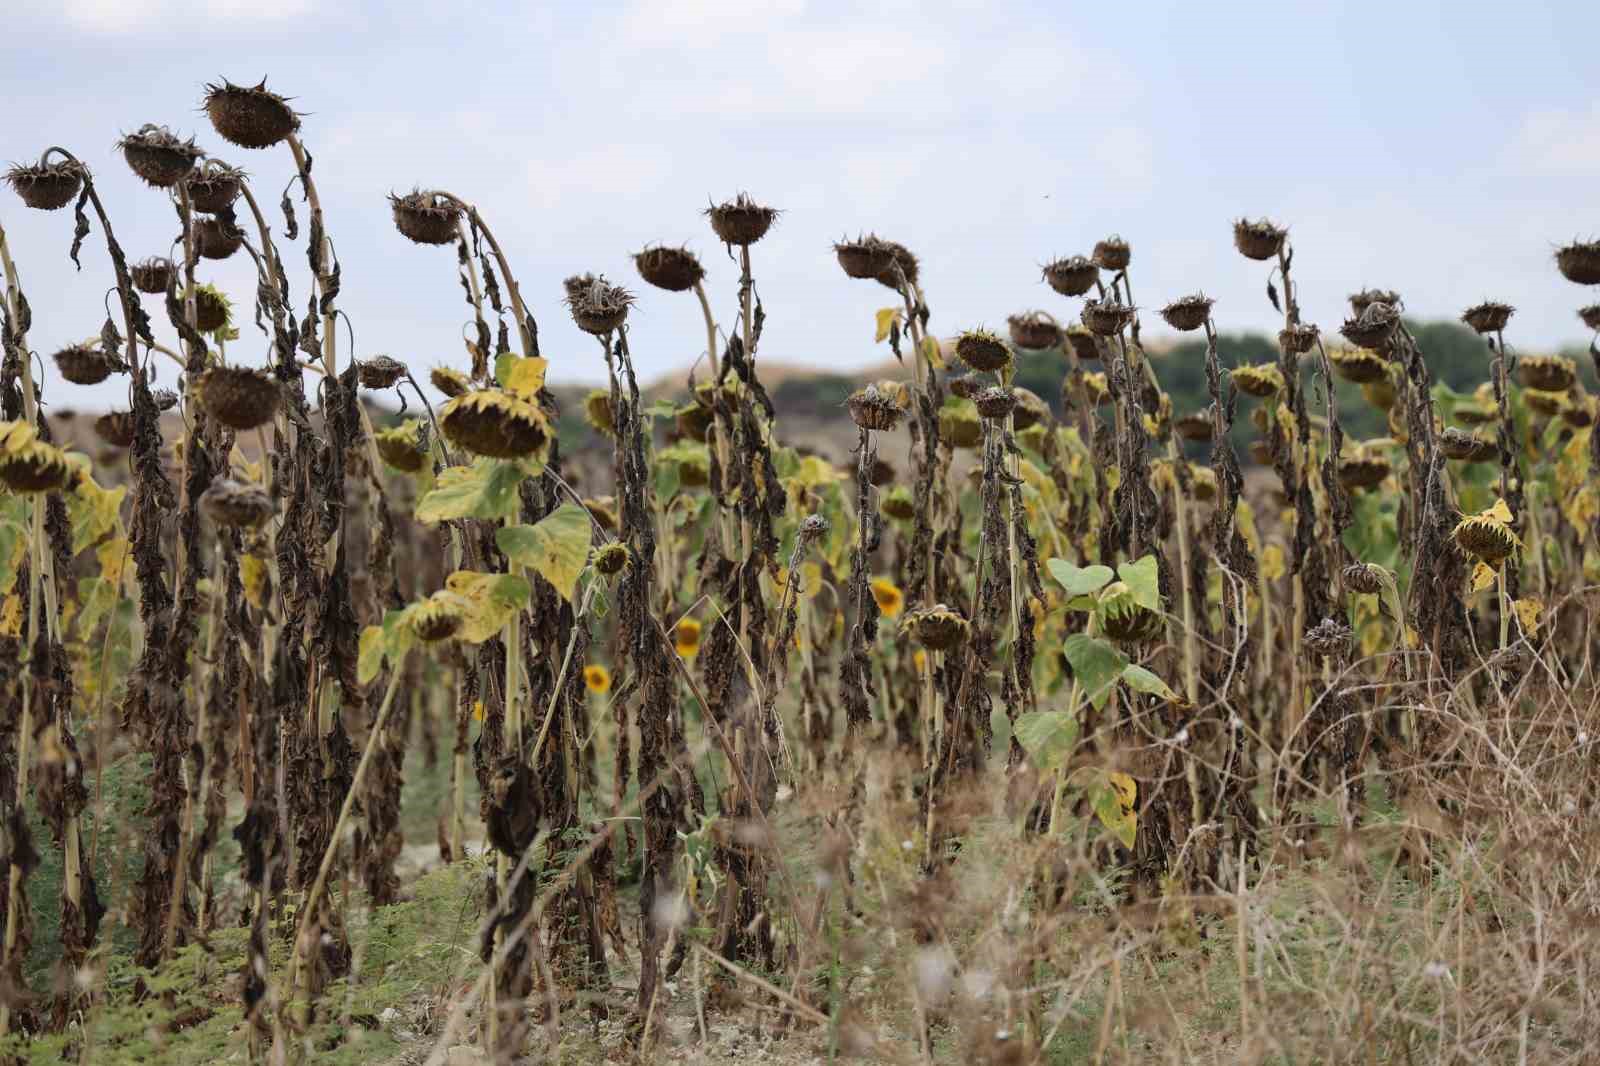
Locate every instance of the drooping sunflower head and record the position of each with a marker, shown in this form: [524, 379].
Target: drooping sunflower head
[404, 447]
[1123, 618]
[439, 617]
[495, 423]
[1259, 381]
[938, 627]
[1488, 536]
[610, 558]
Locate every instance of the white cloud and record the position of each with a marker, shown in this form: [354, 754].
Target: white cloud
[116, 17]
[1559, 144]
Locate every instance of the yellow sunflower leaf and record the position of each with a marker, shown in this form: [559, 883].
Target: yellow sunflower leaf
[519, 376]
[933, 353]
[1483, 575]
[1499, 512]
[888, 318]
[1272, 562]
[1115, 805]
[488, 601]
[253, 575]
[11, 617]
[1528, 611]
[556, 547]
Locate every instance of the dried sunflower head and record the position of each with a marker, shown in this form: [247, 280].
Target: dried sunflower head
[597, 306]
[865, 257]
[116, 428]
[938, 628]
[1034, 331]
[672, 269]
[236, 504]
[238, 397]
[1259, 240]
[1112, 254]
[1071, 275]
[983, 351]
[1328, 639]
[741, 221]
[1298, 338]
[380, 372]
[250, 117]
[87, 364]
[1030, 409]
[1372, 327]
[597, 412]
[1188, 313]
[994, 403]
[1579, 262]
[46, 186]
[1364, 577]
[1465, 447]
[874, 410]
[1363, 470]
[1488, 317]
[426, 217]
[158, 156]
[1106, 318]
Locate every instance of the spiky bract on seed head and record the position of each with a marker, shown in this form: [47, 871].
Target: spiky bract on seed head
[439, 617]
[1328, 638]
[1360, 301]
[994, 403]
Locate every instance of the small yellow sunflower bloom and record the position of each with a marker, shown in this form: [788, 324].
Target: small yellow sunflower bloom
[686, 637]
[889, 597]
[597, 679]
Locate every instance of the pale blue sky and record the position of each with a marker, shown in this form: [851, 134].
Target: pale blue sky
[1443, 149]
